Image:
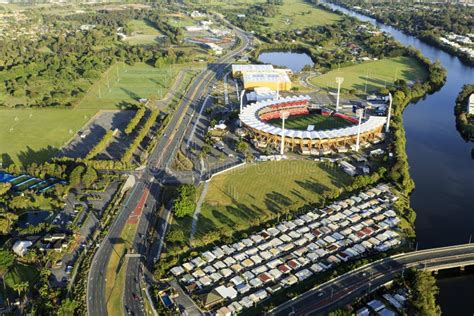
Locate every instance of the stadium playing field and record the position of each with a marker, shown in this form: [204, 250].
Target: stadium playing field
[376, 74]
[320, 122]
[256, 193]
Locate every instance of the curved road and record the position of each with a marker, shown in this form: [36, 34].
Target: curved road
[346, 288]
[156, 167]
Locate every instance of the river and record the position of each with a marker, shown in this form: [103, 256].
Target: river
[441, 166]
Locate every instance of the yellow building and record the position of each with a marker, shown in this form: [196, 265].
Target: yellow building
[256, 76]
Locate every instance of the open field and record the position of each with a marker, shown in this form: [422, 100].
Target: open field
[142, 33]
[116, 269]
[256, 193]
[35, 135]
[320, 122]
[295, 14]
[123, 85]
[378, 74]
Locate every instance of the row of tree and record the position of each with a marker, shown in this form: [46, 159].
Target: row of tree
[135, 120]
[141, 134]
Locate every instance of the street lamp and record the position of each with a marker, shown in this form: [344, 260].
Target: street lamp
[339, 81]
[387, 126]
[283, 115]
[361, 113]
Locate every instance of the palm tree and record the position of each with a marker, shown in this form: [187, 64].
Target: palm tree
[21, 287]
[7, 259]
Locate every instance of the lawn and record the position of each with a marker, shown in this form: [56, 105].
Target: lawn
[256, 193]
[116, 269]
[35, 135]
[142, 33]
[320, 122]
[123, 85]
[377, 74]
[296, 14]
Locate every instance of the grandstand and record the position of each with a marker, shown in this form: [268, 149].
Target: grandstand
[255, 118]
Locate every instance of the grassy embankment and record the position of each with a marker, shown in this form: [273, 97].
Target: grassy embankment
[254, 194]
[116, 269]
[376, 74]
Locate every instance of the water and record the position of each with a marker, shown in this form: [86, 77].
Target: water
[32, 218]
[441, 166]
[291, 59]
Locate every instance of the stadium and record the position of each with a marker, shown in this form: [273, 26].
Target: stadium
[259, 119]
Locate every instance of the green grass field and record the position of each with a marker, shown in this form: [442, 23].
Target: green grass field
[29, 135]
[378, 73]
[123, 85]
[142, 33]
[295, 14]
[256, 193]
[320, 122]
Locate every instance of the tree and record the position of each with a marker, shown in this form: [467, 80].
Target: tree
[241, 146]
[20, 287]
[4, 187]
[176, 235]
[424, 294]
[75, 176]
[68, 307]
[6, 221]
[7, 259]
[89, 177]
[185, 203]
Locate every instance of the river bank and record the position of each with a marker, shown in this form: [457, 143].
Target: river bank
[428, 39]
[440, 161]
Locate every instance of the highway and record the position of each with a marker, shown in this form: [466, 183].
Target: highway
[346, 288]
[150, 179]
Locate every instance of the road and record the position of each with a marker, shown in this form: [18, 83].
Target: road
[150, 179]
[346, 288]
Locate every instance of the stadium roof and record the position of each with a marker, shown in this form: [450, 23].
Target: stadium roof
[250, 118]
[250, 67]
[266, 76]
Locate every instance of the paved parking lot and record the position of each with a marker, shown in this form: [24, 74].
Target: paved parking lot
[93, 132]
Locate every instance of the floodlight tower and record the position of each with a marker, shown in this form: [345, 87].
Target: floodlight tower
[241, 104]
[361, 113]
[283, 115]
[387, 126]
[339, 81]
